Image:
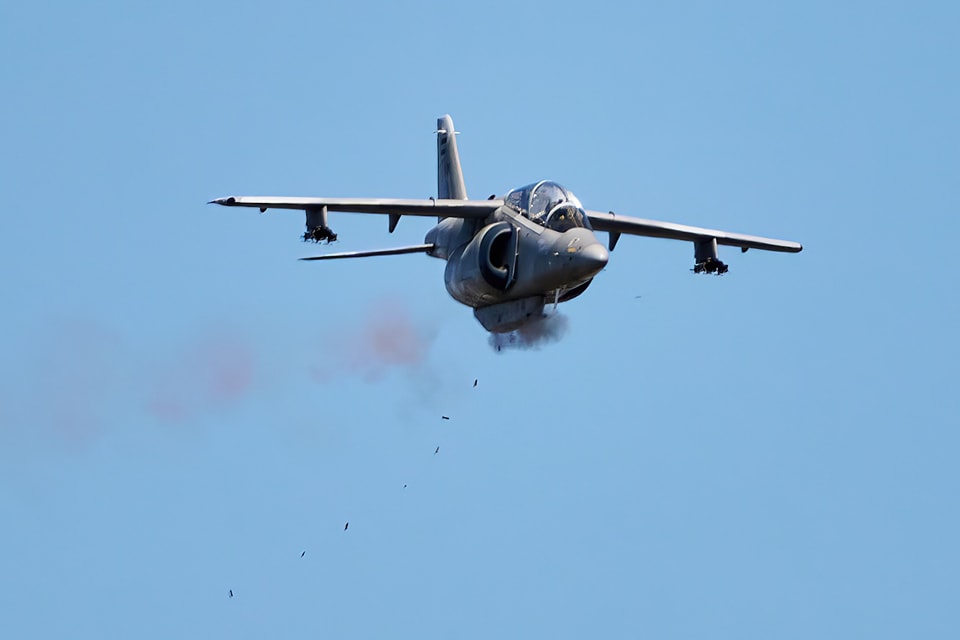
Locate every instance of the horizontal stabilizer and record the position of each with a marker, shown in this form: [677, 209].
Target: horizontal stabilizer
[417, 248]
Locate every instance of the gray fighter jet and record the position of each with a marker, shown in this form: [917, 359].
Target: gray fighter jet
[510, 257]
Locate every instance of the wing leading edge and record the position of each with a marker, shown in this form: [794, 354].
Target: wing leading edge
[391, 206]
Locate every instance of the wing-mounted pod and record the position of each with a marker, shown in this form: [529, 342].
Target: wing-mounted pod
[317, 229]
[705, 255]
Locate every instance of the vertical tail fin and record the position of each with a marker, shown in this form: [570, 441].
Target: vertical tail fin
[449, 174]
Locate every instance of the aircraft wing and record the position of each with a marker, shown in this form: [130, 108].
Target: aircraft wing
[705, 241]
[617, 224]
[390, 206]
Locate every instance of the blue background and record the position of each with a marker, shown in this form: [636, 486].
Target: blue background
[185, 409]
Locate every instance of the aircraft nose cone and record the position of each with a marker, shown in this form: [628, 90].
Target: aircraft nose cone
[593, 257]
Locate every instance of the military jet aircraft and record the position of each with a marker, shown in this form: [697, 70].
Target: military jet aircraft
[510, 257]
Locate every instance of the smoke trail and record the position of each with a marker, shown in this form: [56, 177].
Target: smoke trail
[533, 335]
[387, 339]
[68, 382]
[209, 374]
[67, 375]
[74, 377]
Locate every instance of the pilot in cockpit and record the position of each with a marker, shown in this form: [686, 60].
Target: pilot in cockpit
[549, 205]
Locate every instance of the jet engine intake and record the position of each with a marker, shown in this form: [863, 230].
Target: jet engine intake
[486, 267]
[497, 254]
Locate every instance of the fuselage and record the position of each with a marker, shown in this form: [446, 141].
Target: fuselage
[537, 248]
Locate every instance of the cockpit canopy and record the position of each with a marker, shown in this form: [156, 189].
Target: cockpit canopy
[549, 205]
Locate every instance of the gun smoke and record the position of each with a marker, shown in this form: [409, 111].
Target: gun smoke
[545, 330]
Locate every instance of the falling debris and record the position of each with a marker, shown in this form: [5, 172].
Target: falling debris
[445, 417]
[475, 382]
[303, 554]
[436, 451]
[404, 486]
[231, 593]
[345, 526]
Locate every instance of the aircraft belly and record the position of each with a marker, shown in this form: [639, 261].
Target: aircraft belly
[508, 316]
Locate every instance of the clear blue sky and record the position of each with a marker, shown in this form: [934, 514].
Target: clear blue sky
[185, 409]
